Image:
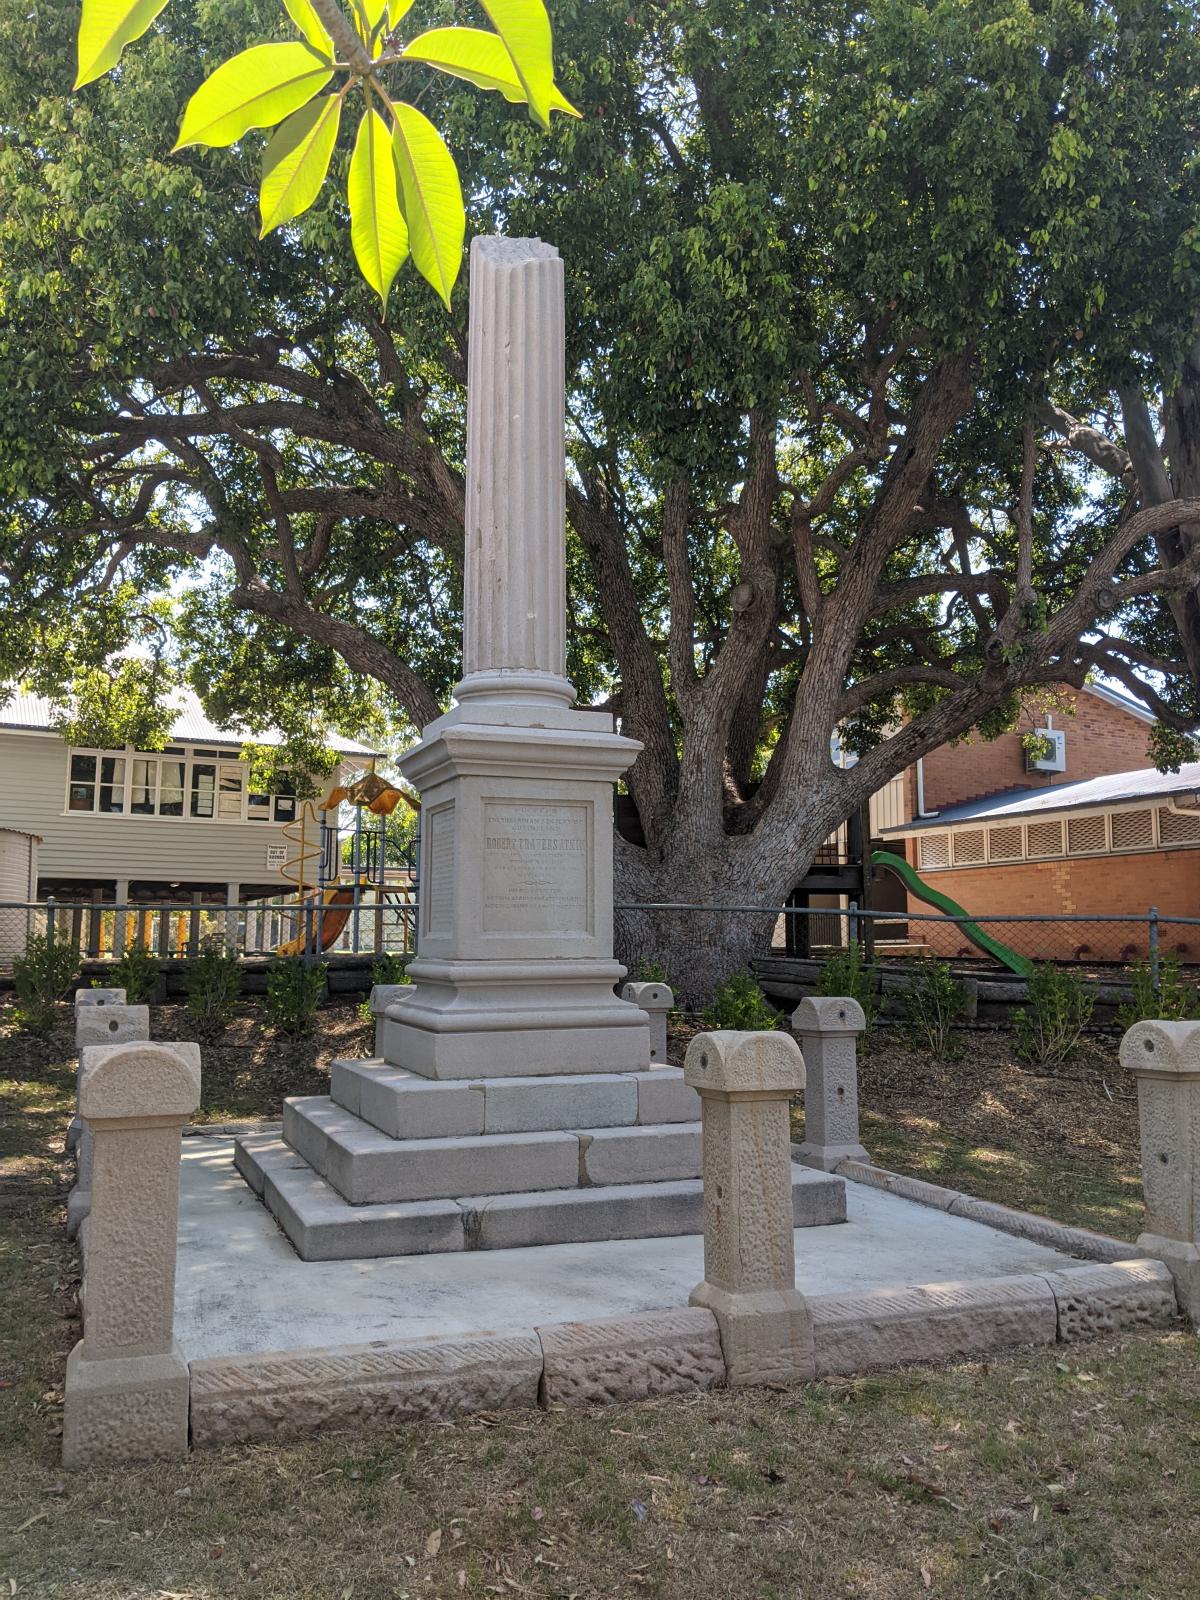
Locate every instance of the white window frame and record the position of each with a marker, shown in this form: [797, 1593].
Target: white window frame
[190, 757]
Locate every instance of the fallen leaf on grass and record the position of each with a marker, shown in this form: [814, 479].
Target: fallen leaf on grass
[926, 1578]
[640, 1509]
[29, 1522]
[434, 1542]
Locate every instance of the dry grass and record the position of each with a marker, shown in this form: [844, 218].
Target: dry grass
[1049, 1473]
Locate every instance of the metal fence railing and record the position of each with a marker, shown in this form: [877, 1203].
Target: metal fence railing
[1105, 941]
[373, 923]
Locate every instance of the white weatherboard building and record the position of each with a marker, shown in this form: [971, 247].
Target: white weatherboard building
[145, 826]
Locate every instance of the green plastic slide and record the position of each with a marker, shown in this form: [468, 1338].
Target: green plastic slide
[982, 941]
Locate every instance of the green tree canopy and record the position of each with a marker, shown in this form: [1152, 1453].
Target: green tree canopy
[884, 391]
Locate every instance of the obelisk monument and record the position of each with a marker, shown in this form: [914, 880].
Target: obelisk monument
[516, 972]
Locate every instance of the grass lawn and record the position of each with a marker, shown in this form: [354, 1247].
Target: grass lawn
[1069, 1473]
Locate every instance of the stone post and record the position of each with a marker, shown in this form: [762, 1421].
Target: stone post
[656, 1000]
[99, 1022]
[384, 995]
[98, 997]
[127, 1380]
[1164, 1057]
[746, 1082]
[828, 1029]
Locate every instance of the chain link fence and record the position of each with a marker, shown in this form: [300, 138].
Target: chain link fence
[992, 943]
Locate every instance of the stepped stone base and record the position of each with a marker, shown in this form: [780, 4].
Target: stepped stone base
[324, 1226]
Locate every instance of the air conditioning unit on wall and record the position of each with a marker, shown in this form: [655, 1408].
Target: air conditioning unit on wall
[1051, 752]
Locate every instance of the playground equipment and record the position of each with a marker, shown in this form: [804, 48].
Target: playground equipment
[951, 908]
[324, 902]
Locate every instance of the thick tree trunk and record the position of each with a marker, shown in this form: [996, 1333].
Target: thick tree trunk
[699, 949]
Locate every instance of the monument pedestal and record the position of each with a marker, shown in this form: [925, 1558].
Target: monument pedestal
[515, 974]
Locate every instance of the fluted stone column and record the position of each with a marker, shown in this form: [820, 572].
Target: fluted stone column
[515, 582]
[516, 973]
[745, 1082]
[1164, 1057]
[127, 1380]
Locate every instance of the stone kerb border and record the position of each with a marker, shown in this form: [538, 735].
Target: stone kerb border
[678, 1351]
[1079, 1242]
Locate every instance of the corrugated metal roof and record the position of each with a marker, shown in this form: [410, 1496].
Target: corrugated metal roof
[193, 726]
[1113, 789]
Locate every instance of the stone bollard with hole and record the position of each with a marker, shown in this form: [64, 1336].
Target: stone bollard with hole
[656, 1000]
[746, 1082]
[103, 1023]
[98, 997]
[1164, 1057]
[828, 1030]
[127, 1380]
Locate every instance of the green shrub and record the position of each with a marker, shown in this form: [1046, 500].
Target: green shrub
[740, 1004]
[650, 972]
[136, 972]
[1173, 1000]
[293, 994]
[1060, 1007]
[932, 1006]
[390, 968]
[847, 976]
[41, 978]
[213, 982]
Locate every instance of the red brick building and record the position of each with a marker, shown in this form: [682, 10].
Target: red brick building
[1095, 832]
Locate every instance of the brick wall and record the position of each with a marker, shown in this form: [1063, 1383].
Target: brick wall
[1101, 738]
[1094, 886]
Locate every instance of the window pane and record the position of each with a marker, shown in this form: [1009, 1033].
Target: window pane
[258, 808]
[83, 769]
[204, 785]
[229, 801]
[285, 808]
[170, 793]
[112, 769]
[82, 797]
[145, 782]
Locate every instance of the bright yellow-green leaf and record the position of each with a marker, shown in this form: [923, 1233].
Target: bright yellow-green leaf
[377, 229]
[433, 202]
[256, 89]
[480, 58]
[525, 29]
[296, 160]
[105, 28]
[310, 25]
[398, 9]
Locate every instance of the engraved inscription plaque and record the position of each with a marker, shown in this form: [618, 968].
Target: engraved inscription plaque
[440, 899]
[537, 875]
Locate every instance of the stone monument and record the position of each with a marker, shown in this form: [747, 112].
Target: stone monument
[513, 1099]
[516, 972]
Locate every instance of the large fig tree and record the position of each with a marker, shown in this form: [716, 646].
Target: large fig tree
[884, 412]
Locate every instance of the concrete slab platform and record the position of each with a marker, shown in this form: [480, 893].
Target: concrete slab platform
[241, 1289]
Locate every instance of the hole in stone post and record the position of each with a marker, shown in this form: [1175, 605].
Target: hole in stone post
[703, 1059]
[1163, 1157]
[113, 1026]
[720, 1192]
[653, 1052]
[841, 1090]
[1149, 1043]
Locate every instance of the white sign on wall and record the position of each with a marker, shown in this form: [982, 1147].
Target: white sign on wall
[276, 855]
